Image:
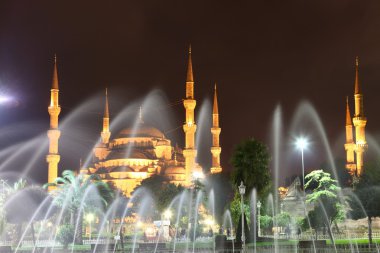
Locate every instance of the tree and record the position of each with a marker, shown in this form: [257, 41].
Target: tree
[70, 194]
[266, 223]
[65, 234]
[283, 219]
[160, 189]
[235, 208]
[366, 199]
[324, 196]
[250, 160]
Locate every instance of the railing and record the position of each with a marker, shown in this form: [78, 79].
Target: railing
[308, 236]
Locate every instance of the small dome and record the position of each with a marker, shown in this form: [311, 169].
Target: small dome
[141, 130]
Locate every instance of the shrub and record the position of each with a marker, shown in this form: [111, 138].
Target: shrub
[65, 234]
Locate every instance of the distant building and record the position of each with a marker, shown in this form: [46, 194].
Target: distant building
[356, 144]
[293, 199]
[134, 154]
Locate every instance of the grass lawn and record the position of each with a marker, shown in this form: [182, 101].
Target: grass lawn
[353, 241]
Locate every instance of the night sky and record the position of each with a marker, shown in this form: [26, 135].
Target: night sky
[260, 53]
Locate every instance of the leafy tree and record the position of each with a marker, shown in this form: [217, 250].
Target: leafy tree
[70, 195]
[314, 220]
[250, 160]
[65, 234]
[324, 196]
[366, 199]
[160, 189]
[266, 223]
[235, 208]
[283, 219]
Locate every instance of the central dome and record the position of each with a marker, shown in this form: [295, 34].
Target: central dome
[141, 130]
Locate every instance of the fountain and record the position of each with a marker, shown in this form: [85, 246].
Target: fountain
[121, 225]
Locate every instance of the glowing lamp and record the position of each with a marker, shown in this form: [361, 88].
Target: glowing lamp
[302, 143]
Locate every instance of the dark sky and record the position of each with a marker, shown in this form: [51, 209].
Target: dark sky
[261, 54]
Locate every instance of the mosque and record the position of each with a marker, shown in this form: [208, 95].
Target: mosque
[134, 154]
[356, 144]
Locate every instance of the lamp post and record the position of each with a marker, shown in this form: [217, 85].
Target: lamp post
[258, 217]
[242, 192]
[302, 144]
[90, 218]
[165, 222]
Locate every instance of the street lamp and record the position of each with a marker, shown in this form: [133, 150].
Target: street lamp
[90, 217]
[167, 214]
[242, 192]
[258, 217]
[302, 144]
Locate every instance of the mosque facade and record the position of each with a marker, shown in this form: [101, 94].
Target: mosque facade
[134, 154]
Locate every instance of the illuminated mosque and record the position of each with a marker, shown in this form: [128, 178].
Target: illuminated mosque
[134, 154]
[356, 145]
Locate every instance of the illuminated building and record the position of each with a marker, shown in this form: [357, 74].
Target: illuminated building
[134, 154]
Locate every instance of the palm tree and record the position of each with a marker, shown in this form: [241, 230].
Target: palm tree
[78, 194]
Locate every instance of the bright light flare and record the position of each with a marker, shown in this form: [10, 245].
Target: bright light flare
[198, 175]
[302, 143]
[209, 222]
[90, 217]
[167, 214]
[5, 99]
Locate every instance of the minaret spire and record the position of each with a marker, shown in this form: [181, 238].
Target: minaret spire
[54, 84]
[215, 131]
[360, 122]
[190, 77]
[190, 152]
[215, 106]
[53, 133]
[357, 84]
[106, 107]
[106, 134]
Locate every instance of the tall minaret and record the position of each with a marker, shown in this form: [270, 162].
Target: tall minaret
[360, 122]
[53, 133]
[105, 134]
[190, 152]
[215, 131]
[349, 146]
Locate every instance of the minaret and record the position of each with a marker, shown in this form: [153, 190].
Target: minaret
[106, 134]
[349, 146]
[360, 122]
[189, 127]
[53, 133]
[215, 131]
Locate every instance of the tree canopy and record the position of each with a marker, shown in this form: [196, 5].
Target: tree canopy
[325, 197]
[160, 189]
[250, 160]
[365, 201]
